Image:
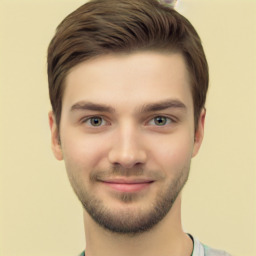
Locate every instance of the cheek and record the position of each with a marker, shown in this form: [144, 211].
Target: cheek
[82, 150]
[174, 152]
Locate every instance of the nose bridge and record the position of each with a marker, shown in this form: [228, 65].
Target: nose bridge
[127, 147]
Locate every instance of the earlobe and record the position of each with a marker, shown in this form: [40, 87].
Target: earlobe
[199, 134]
[55, 142]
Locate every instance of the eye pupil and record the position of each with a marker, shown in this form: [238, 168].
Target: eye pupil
[160, 120]
[96, 121]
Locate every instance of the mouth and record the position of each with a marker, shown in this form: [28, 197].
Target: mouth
[128, 185]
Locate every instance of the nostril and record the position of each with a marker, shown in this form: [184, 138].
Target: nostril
[125, 159]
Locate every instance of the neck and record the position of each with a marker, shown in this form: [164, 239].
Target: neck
[166, 238]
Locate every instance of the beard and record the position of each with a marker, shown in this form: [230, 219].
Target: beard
[129, 220]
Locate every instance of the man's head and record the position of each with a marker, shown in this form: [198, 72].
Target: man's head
[110, 26]
[128, 81]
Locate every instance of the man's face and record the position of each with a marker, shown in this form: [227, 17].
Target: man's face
[127, 137]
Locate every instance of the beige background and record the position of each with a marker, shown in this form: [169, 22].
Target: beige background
[39, 215]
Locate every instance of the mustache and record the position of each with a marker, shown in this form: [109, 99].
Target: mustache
[119, 171]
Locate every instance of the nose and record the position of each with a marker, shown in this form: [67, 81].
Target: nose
[127, 148]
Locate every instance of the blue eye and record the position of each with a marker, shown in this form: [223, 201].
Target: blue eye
[160, 121]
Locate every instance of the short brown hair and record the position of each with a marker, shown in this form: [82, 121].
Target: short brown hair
[113, 26]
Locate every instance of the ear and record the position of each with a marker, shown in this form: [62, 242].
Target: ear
[55, 142]
[199, 134]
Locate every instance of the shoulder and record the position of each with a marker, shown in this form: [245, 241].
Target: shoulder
[204, 250]
[208, 251]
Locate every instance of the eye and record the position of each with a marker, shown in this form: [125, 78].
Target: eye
[95, 121]
[160, 121]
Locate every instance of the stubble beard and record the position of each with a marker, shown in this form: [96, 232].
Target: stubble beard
[127, 221]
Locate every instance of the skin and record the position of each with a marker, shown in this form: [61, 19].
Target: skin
[120, 158]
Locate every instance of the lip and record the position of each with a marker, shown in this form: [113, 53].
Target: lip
[126, 185]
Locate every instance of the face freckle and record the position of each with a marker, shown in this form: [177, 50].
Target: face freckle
[129, 158]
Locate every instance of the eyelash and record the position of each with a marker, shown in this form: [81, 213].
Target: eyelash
[89, 119]
[169, 120]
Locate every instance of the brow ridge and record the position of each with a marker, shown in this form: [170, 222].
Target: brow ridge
[150, 107]
[82, 105]
[158, 106]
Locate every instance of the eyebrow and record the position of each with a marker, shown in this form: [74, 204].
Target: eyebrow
[151, 107]
[82, 105]
[158, 106]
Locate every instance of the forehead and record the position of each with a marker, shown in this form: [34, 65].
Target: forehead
[134, 78]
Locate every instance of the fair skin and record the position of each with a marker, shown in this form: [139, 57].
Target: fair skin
[127, 139]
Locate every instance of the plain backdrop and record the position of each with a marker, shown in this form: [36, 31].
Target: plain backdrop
[39, 214]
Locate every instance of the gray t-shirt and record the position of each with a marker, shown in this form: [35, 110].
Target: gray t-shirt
[204, 250]
[199, 249]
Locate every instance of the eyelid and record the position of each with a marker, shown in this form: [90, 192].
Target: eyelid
[86, 119]
[105, 120]
[171, 120]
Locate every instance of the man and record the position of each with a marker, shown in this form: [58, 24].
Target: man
[128, 82]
